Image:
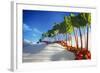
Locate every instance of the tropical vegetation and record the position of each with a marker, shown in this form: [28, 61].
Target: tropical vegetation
[74, 25]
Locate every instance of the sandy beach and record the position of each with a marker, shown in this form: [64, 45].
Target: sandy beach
[44, 52]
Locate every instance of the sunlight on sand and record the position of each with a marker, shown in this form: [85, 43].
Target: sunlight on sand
[44, 52]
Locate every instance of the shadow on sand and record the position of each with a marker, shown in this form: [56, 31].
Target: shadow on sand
[64, 55]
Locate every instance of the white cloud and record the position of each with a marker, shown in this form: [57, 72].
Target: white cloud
[35, 30]
[27, 41]
[27, 28]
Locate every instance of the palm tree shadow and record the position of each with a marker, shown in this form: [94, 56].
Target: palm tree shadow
[63, 55]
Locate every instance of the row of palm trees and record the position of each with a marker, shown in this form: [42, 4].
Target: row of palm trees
[72, 24]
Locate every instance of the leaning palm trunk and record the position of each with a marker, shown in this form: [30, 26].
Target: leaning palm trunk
[66, 39]
[76, 38]
[87, 36]
[85, 39]
[81, 37]
[71, 40]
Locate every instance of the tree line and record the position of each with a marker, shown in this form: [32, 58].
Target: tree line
[78, 24]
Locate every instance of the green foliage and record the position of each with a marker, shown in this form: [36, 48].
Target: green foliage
[56, 28]
[51, 33]
[78, 21]
[70, 22]
[87, 17]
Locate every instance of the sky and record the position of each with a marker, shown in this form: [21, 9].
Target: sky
[37, 22]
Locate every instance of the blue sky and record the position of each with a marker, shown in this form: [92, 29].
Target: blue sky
[37, 22]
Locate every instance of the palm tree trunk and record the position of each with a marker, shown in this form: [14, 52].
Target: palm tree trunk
[76, 39]
[66, 38]
[87, 37]
[81, 37]
[71, 40]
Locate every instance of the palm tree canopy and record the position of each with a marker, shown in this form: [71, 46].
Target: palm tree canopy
[87, 17]
[51, 33]
[56, 28]
[78, 20]
[68, 24]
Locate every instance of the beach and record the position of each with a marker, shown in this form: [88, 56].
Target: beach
[45, 53]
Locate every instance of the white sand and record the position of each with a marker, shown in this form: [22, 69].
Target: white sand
[43, 52]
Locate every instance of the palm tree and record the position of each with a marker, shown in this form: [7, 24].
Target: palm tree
[51, 33]
[68, 26]
[56, 29]
[87, 18]
[78, 22]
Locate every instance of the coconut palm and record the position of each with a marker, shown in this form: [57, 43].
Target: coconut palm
[72, 16]
[56, 29]
[68, 26]
[51, 33]
[78, 22]
[87, 18]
